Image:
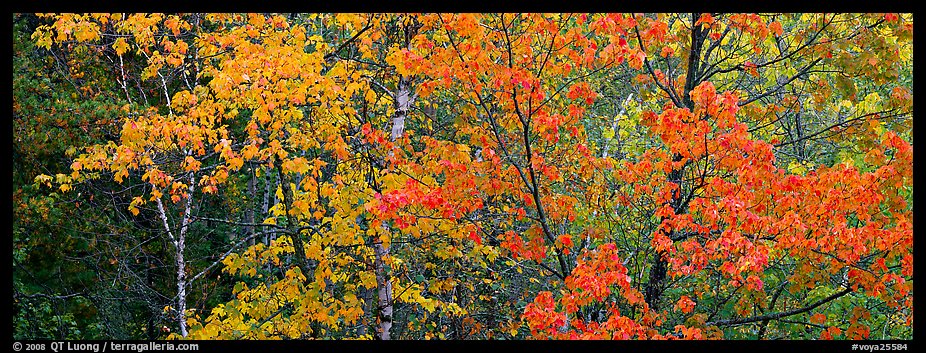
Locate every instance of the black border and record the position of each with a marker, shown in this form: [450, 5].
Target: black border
[532, 346]
[509, 6]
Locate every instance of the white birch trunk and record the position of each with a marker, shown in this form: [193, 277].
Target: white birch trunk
[179, 246]
[615, 127]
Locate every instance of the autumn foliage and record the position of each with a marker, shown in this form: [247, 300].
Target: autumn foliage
[480, 176]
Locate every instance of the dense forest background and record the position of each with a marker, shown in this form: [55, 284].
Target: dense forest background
[462, 176]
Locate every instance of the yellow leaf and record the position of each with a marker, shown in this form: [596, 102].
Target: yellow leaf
[796, 168]
[42, 178]
[608, 133]
[120, 46]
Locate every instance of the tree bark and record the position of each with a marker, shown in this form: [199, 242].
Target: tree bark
[292, 229]
[249, 210]
[265, 205]
[659, 268]
[403, 101]
[615, 127]
[384, 291]
[403, 97]
[179, 247]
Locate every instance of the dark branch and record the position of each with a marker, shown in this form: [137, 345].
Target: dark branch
[779, 315]
[334, 54]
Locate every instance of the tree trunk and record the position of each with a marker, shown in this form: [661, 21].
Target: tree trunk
[249, 209]
[404, 97]
[658, 270]
[181, 287]
[179, 247]
[298, 245]
[265, 206]
[384, 291]
[615, 127]
[403, 100]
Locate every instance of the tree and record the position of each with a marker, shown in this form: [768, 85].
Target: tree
[519, 175]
